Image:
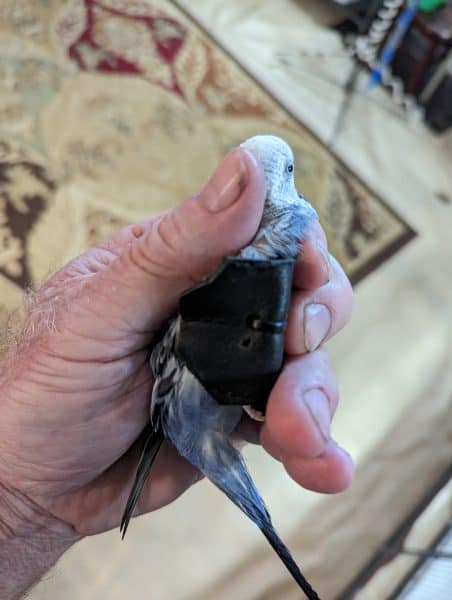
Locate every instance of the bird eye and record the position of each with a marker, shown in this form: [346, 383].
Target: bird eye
[290, 168]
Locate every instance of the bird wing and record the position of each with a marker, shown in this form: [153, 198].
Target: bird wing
[152, 445]
[165, 372]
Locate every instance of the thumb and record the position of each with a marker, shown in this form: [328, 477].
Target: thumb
[177, 249]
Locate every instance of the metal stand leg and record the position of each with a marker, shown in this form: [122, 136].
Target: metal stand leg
[443, 69]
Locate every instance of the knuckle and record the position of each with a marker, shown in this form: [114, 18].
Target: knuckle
[139, 258]
[347, 291]
[342, 299]
[317, 233]
[320, 371]
[332, 393]
[155, 253]
[321, 358]
[168, 232]
[310, 370]
[325, 377]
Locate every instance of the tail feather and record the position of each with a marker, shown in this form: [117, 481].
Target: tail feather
[225, 467]
[150, 451]
[284, 554]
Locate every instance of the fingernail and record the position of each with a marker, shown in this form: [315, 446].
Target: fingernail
[319, 409]
[325, 264]
[317, 324]
[227, 183]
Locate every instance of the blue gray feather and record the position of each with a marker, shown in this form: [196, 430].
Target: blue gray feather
[182, 411]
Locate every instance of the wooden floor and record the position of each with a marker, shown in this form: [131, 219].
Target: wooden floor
[393, 361]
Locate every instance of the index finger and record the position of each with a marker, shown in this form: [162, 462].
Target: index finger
[312, 269]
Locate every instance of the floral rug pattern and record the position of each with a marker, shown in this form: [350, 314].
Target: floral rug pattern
[112, 110]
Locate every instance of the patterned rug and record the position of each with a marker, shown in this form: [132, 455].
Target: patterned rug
[111, 110]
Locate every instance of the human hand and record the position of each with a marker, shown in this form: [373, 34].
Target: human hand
[76, 389]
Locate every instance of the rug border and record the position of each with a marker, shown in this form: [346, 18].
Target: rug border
[385, 253]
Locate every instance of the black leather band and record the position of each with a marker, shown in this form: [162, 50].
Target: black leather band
[231, 329]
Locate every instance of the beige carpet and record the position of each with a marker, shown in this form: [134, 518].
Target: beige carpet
[105, 124]
[114, 110]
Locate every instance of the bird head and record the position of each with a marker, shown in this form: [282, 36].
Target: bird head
[277, 160]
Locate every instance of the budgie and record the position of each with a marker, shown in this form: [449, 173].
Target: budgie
[182, 410]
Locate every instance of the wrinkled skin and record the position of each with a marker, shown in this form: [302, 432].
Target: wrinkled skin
[76, 388]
